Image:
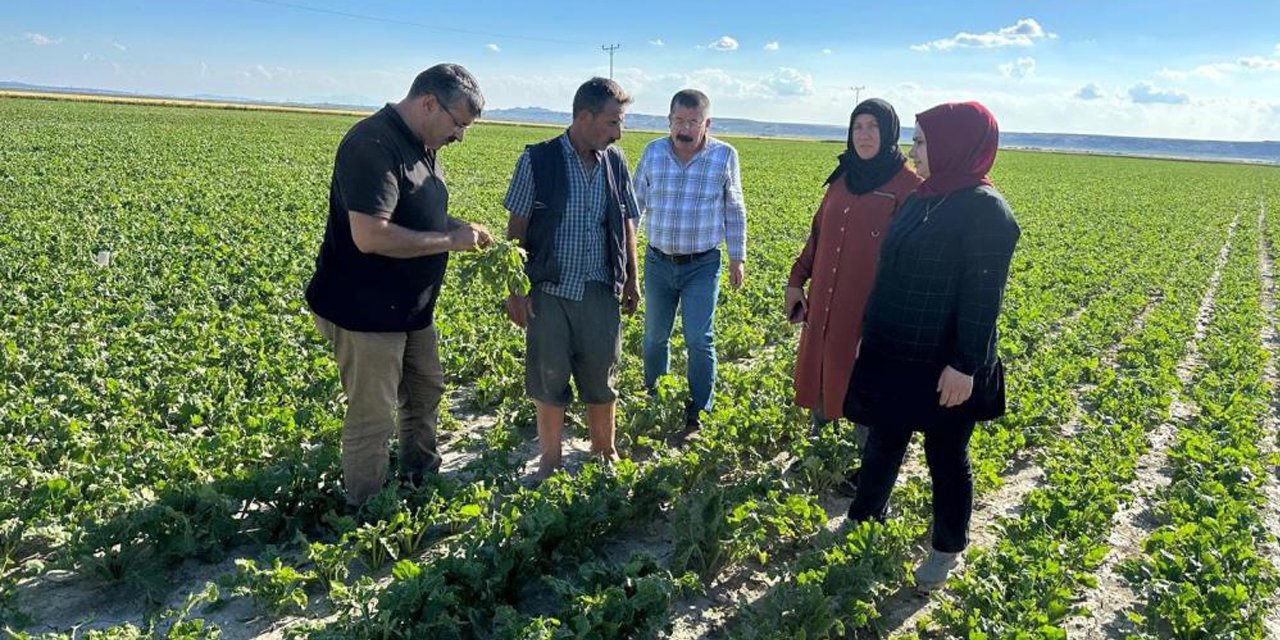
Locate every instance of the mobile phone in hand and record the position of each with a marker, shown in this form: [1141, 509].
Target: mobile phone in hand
[795, 314]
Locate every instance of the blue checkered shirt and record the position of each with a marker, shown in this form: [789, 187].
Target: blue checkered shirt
[580, 244]
[692, 208]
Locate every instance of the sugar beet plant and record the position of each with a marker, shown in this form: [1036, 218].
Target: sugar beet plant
[165, 400]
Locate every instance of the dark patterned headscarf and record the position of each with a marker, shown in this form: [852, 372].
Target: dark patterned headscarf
[864, 176]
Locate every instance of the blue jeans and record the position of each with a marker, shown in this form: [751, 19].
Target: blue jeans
[693, 287]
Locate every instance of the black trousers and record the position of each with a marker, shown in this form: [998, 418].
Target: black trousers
[946, 449]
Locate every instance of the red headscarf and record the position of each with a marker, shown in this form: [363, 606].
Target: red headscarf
[961, 139]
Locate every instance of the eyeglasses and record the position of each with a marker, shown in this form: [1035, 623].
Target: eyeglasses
[681, 123]
[457, 125]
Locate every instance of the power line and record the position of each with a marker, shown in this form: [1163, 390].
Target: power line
[610, 48]
[420, 25]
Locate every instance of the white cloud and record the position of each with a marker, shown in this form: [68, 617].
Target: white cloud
[725, 43]
[119, 46]
[273, 73]
[729, 91]
[787, 81]
[493, 47]
[1214, 71]
[204, 69]
[1023, 33]
[1020, 68]
[772, 46]
[1222, 118]
[1221, 70]
[657, 42]
[1260, 63]
[716, 82]
[762, 93]
[1147, 93]
[1090, 91]
[826, 52]
[86, 57]
[39, 39]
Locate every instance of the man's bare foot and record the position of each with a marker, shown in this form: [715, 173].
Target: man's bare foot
[607, 457]
[541, 475]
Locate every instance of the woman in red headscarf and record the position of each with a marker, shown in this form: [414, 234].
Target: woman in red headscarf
[927, 362]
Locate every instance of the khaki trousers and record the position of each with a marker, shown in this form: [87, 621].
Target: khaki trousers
[386, 376]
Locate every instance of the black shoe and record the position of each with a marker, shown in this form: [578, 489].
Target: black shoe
[415, 478]
[691, 429]
[692, 426]
[413, 470]
[692, 418]
[849, 486]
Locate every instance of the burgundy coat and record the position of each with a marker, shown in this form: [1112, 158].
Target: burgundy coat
[839, 263]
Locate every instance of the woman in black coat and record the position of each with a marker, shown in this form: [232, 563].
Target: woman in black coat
[928, 361]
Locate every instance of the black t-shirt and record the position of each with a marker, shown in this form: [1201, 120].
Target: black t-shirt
[382, 169]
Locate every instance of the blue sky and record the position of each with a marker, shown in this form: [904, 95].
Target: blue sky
[1178, 68]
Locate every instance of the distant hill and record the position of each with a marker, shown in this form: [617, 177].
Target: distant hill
[646, 122]
[199, 97]
[22, 86]
[1266, 152]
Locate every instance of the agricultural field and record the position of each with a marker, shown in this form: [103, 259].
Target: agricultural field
[170, 418]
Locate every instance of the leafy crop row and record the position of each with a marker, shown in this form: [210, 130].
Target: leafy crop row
[164, 398]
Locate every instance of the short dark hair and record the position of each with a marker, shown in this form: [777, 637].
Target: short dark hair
[596, 93]
[449, 83]
[691, 99]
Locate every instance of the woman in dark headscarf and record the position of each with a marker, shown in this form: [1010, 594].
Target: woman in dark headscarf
[927, 361]
[839, 259]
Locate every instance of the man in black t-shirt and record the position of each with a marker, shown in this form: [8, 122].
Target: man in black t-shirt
[380, 269]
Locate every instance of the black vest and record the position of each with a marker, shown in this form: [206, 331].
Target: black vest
[551, 188]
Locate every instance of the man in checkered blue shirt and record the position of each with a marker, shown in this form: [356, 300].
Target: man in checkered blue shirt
[573, 209]
[690, 196]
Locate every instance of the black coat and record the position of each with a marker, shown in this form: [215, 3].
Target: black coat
[938, 289]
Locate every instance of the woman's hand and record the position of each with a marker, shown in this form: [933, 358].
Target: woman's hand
[953, 388]
[794, 305]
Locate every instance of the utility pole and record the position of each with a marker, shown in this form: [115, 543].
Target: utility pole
[857, 94]
[610, 48]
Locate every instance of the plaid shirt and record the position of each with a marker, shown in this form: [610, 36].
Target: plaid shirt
[692, 208]
[580, 240]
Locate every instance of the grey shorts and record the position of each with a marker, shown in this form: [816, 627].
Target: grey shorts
[579, 339]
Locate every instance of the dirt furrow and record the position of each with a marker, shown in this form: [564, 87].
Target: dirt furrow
[1106, 603]
[1271, 426]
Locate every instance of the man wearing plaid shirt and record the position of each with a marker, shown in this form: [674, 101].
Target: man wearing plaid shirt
[690, 197]
[573, 208]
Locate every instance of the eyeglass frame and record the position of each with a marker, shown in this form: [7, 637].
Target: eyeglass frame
[456, 125]
[681, 123]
